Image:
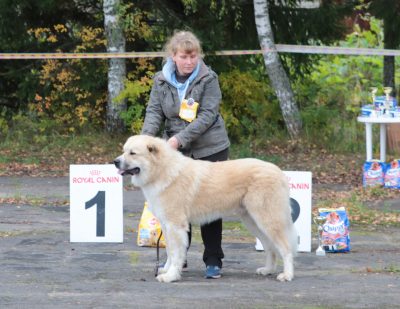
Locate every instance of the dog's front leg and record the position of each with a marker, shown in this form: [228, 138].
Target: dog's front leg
[164, 269]
[177, 243]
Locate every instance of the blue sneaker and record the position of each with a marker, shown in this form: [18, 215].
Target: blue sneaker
[213, 272]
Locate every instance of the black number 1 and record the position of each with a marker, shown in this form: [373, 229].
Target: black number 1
[100, 201]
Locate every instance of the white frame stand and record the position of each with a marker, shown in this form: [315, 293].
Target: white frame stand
[382, 121]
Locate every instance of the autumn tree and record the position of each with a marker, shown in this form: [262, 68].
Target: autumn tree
[18, 78]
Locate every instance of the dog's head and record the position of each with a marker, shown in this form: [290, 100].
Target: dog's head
[139, 158]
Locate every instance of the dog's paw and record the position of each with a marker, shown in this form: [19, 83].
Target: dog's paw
[264, 271]
[285, 277]
[168, 277]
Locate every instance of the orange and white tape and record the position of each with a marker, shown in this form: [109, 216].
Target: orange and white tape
[284, 48]
[80, 55]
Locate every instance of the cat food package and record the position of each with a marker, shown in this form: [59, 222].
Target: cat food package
[335, 234]
[149, 230]
[392, 174]
[373, 173]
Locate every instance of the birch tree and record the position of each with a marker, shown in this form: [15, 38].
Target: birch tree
[277, 75]
[117, 67]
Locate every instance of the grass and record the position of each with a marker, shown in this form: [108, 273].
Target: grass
[232, 231]
[4, 234]
[358, 203]
[31, 200]
[133, 257]
[235, 231]
[52, 156]
[388, 269]
[247, 150]
[11, 159]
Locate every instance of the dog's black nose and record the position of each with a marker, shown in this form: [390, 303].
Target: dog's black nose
[117, 163]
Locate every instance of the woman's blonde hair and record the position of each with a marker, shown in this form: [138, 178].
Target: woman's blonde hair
[184, 41]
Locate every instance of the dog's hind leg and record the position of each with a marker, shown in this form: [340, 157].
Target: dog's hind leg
[277, 227]
[281, 236]
[177, 243]
[269, 250]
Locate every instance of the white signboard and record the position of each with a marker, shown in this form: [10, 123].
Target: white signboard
[300, 184]
[96, 213]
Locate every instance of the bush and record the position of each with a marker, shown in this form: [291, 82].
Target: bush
[330, 98]
[249, 107]
[136, 94]
[72, 91]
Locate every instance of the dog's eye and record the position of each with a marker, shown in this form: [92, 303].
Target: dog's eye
[132, 153]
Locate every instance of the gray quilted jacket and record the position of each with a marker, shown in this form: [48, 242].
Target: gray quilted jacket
[205, 135]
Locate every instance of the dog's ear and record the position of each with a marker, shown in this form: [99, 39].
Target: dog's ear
[152, 149]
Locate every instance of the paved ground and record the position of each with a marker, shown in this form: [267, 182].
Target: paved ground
[40, 268]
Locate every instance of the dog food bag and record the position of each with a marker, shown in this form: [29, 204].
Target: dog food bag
[373, 173]
[149, 230]
[392, 174]
[335, 234]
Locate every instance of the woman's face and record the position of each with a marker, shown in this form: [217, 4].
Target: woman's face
[185, 62]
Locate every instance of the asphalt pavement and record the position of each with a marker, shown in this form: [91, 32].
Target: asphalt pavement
[41, 268]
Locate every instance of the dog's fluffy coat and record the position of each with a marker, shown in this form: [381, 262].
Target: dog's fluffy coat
[180, 190]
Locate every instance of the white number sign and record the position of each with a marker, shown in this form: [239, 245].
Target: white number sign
[96, 213]
[300, 184]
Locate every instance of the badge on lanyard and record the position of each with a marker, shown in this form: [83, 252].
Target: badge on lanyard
[188, 109]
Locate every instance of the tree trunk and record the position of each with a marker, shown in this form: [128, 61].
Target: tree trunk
[116, 68]
[277, 75]
[388, 72]
[393, 129]
[389, 33]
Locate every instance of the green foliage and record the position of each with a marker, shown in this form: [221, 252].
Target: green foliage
[134, 22]
[320, 26]
[331, 96]
[140, 36]
[29, 129]
[248, 106]
[343, 82]
[136, 93]
[389, 12]
[325, 127]
[4, 128]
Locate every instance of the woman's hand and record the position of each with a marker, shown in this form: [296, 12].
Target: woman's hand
[174, 143]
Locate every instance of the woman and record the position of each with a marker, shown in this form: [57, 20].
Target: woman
[185, 99]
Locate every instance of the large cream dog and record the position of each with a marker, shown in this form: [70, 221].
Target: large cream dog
[182, 190]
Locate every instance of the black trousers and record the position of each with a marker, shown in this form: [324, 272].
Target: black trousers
[211, 233]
